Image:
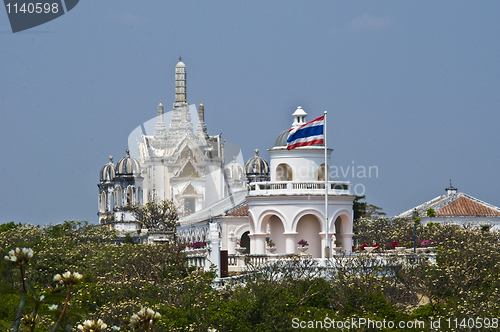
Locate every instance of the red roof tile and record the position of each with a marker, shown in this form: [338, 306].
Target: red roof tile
[239, 211]
[464, 206]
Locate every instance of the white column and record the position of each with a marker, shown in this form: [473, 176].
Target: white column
[290, 242]
[346, 239]
[260, 243]
[324, 244]
[215, 247]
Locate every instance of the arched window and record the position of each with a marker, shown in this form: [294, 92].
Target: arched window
[119, 197]
[321, 173]
[129, 195]
[112, 201]
[245, 242]
[102, 207]
[139, 196]
[284, 172]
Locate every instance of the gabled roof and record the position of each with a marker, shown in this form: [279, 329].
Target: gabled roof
[455, 205]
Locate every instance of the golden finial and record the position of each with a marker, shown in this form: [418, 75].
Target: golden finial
[201, 102]
[180, 58]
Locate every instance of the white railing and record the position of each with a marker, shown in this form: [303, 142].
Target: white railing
[295, 188]
[197, 258]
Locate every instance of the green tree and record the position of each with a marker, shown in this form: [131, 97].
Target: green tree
[157, 216]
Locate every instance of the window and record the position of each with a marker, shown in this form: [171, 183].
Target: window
[321, 173]
[284, 173]
[189, 205]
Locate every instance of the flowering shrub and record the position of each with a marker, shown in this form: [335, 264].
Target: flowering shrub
[428, 243]
[270, 243]
[199, 244]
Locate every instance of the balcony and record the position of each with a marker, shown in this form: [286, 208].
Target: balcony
[299, 188]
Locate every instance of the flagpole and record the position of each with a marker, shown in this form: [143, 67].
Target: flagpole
[326, 175]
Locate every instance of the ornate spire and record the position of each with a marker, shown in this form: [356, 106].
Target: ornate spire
[160, 130]
[180, 82]
[201, 111]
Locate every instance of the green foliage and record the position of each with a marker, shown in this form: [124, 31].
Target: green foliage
[157, 216]
[8, 226]
[431, 213]
[384, 230]
[365, 210]
[120, 280]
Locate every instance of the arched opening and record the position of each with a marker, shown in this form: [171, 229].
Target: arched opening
[245, 242]
[341, 228]
[112, 201]
[276, 231]
[321, 172]
[139, 196]
[119, 196]
[308, 229]
[129, 195]
[284, 172]
[102, 205]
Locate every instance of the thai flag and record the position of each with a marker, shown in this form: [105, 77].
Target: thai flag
[308, 134]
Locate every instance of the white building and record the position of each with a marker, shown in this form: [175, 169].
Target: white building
[283, 202]
[457, 208]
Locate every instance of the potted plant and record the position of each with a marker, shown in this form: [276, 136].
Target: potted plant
[198, 245]
[337, 247]
[271, 246]
[239, 246]
[303, 245]
[369, 248]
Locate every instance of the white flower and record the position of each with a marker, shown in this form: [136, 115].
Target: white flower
[42, 297]
[67, 278]
[53, 307]
[19, 256]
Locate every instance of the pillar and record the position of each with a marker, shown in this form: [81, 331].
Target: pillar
[290, 242]
[259, 240]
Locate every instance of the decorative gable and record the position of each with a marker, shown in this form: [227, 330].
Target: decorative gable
[188, 171]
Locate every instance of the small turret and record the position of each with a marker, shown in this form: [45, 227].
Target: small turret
[451, 190]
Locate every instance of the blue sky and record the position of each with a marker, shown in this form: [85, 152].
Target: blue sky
[410, 87]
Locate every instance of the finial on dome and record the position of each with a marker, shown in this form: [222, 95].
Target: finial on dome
[201, 102]
[180, 58]
[128, 152]
[234, 158]
[111, 159]
[256, 152]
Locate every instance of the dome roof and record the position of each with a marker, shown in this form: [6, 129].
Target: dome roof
[281, 139]
[256, 166]
[235, 171]
[128, 165]
[107, 173]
